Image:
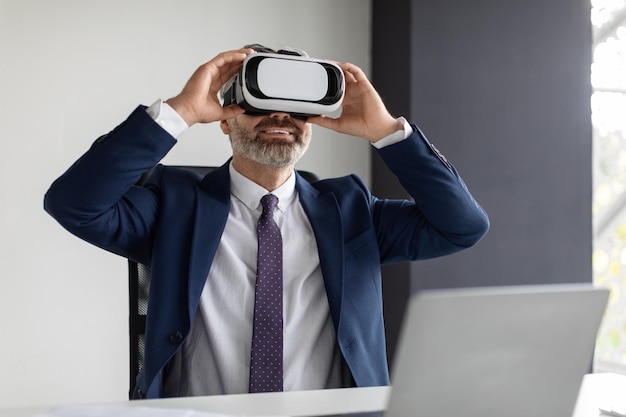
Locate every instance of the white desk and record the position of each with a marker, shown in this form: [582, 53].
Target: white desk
[296, 403]
[594, 389]
[597, 389]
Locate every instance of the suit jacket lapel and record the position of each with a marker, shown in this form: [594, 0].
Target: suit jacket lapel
[211, 213]
[325, 218]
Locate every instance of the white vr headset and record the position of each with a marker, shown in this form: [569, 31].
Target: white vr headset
[293, 84]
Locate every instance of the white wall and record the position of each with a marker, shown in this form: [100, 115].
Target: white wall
[70, 70]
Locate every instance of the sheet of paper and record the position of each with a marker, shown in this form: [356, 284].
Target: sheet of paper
[120, 411]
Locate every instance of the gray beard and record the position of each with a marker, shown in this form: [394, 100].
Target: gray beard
[276, 154]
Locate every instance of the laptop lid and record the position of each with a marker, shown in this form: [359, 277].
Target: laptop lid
[517, 351]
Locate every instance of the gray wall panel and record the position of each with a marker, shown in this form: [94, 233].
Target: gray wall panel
[502, 88]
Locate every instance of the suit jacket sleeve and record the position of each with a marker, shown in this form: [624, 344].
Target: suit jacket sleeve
[95, 198]
[443, 218]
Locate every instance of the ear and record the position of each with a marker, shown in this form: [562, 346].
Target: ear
[225, 126]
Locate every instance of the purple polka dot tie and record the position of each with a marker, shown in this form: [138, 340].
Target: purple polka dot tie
[266, 358]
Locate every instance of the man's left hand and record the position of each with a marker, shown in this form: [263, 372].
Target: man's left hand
[363, 112]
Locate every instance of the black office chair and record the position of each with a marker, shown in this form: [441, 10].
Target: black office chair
[139, 289]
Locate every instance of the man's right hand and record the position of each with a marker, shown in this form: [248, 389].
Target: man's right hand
[198, 102]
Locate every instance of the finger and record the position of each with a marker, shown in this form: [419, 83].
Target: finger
[355, 72]
[350, 78]
[228, 57]
[323, 121]
[231, 111]
[225, 65]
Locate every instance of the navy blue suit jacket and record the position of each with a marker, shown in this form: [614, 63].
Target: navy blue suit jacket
[174, 224]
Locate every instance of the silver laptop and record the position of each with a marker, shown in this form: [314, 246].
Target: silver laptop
[516, 351]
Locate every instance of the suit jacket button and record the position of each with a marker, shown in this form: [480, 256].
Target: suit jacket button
[176, 338]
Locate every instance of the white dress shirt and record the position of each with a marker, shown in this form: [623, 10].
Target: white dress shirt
[215, 357]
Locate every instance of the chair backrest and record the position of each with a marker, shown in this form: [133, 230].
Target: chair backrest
[139, 290]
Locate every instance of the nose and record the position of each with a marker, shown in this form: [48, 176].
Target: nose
[279, 115]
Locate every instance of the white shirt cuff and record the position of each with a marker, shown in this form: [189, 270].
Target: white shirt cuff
[167, 118]
[397, 136]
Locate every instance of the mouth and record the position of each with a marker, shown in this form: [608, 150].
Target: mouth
[276, 131]
[281, 132]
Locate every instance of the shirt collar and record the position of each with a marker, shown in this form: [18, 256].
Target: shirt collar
[250, 193]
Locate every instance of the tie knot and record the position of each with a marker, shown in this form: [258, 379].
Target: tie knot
[269, 203]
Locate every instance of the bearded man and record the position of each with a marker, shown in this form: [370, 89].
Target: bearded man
[199, 236]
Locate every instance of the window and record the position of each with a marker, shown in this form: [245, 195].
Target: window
[608, 108]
